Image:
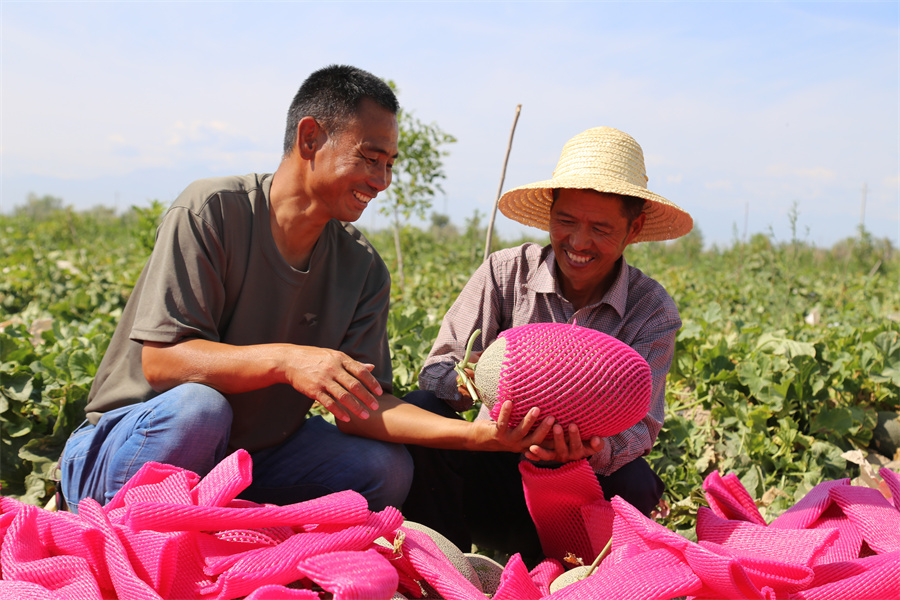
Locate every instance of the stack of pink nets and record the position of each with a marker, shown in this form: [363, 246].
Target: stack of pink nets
[169, 534]
[839, 542]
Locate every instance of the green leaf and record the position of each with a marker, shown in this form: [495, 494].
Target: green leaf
[19, 386]
[81, 367]
[838, 421]
[17, 425]
[782, 345]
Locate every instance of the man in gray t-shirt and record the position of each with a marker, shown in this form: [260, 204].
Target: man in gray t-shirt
[259, 299]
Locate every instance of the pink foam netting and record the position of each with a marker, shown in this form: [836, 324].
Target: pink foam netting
[763, 572]
[99, 554]
[434, 566]
[728, 498]
[280, 592]
[892, 480]
[575, 374]
[876, 519]
[555, 498]
[870, 578]
[278, 564]
[545, 573]
[655, 575]
[849, 542]
[789, 546]
[516, 582]
[806, 511]
[352, 575]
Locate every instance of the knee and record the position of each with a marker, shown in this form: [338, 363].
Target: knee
[390, 471]
[201, 405]
[636, 483]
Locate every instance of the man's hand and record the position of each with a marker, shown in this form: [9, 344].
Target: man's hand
[498, 435]
[559, 449]
[339, 383]
[334, 380]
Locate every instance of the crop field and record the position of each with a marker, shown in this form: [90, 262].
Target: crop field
[788, 355]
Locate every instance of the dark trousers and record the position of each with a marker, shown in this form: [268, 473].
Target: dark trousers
[477, 497]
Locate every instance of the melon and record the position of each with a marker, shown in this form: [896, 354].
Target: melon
[576, 374]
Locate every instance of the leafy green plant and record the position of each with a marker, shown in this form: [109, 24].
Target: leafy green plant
[786, 353]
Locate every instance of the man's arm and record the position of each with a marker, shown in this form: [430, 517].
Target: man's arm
[478, 306]
[404, 423]
[341, 384]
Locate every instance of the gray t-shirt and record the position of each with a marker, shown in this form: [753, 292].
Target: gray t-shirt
[216, 274]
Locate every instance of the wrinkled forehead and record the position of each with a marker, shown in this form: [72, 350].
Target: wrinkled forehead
[372, 127]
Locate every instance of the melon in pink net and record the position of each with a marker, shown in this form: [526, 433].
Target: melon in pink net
[576, 374]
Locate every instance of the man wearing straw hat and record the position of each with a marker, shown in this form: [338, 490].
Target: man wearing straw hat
[594, 206]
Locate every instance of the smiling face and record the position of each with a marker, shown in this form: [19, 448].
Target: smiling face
[354, 164]
[588, 233]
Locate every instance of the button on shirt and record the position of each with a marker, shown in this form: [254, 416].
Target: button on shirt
[518, 286]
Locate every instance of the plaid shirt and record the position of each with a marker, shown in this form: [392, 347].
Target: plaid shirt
[518, 286]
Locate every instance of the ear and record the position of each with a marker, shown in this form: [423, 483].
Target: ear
[636, 226]
[308, 137]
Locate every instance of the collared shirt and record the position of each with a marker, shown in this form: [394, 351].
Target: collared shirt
[518, 286]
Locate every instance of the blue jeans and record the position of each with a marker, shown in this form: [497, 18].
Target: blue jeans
[188, 427]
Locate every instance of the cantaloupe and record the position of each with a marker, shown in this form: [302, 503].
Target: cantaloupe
[576, 374]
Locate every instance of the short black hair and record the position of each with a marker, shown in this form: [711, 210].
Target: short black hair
[632, 207]
[332, 96]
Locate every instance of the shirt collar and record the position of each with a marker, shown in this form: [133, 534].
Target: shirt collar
[544, 282]
[544, 279]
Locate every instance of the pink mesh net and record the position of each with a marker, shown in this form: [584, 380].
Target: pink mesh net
[544, 574]
[352, 575]
[792, 546]
[655, 575]
[808, 509]
[555, 499]
[871, 578]
[812, 551]
[892, 480]
[848, 544]
[25, 590]
[280, 592]
[435, 568]
[516, 582]
[577, 375]
[876, 519]
[765, 573]
[728, 498]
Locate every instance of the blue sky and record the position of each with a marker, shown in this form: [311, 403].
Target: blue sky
[744, 110]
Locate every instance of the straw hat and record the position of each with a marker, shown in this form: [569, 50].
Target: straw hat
[606, 160]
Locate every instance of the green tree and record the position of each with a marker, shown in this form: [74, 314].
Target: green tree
[39, 208]
[417, 173]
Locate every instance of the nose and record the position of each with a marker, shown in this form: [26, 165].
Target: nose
[380, 178]
[580, 238]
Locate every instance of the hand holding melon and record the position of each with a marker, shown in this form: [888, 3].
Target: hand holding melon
[575, 374]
